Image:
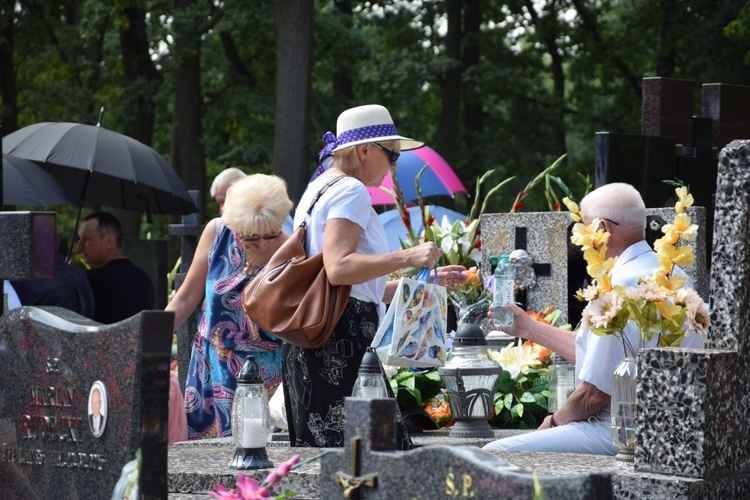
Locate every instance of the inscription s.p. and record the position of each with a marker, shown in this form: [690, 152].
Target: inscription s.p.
[453, 489]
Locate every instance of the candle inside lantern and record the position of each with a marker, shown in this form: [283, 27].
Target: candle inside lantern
[253, 433]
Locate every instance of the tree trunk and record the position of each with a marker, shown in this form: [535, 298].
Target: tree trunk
[8, 89]
[141, 83]
[187, 153]
[293, 20]
[451, 85]
[473, 123]
[342, 77]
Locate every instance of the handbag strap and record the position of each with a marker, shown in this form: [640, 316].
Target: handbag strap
[317, 197]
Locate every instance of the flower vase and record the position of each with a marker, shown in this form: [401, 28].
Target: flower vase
[624, 405]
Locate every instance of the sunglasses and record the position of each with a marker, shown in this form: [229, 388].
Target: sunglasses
[392, 155]
[254, 237]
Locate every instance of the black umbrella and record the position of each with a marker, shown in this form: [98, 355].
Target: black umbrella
[106, 167]
[26, 183]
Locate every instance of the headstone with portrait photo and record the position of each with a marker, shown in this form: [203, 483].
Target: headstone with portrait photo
[79, 399]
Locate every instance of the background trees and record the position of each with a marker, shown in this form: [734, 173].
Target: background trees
[508, 85]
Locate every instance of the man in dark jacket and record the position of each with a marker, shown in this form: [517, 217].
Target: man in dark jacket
[121, 289]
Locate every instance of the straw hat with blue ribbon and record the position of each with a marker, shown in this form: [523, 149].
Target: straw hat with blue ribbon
[362, 125]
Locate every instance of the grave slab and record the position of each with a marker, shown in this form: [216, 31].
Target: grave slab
[54, 361]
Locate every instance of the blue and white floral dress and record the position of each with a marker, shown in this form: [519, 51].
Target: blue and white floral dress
[225, 337]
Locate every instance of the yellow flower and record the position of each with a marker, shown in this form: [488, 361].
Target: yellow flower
[605, 282]
[674, 282]
[572, 207]
[684, 256]
[681, 228]
[671, 237]
[516, 359]
[598, 265]
[685, 199]
[589, 236]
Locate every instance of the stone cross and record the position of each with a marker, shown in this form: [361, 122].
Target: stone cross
[353, 482]
[539, 269]
[436, 471]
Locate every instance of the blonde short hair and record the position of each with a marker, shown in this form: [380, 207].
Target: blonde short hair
[256, 204]
[347, 159]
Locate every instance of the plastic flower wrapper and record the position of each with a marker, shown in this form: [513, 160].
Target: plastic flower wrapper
[472, 299]
[440, 411]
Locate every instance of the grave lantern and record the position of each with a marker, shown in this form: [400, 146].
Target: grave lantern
[470, 376]
[370, 383]
[250, 419]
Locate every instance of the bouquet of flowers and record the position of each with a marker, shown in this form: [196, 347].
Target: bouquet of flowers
[461, 240]
[660, 304]
[522, 388]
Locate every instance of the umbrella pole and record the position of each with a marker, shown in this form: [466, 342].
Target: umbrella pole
[75, 232]
[78, 217]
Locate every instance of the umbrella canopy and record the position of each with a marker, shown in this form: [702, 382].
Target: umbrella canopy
[26, 183]
[106, 167]
[395, 228]
[437, 179]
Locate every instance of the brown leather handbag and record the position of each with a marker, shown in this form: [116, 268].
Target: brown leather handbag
[292, 297]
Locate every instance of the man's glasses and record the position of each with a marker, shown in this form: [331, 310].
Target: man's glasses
[611, 221]
[392, 155]
[254, 237]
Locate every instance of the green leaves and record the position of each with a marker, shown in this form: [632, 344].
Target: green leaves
[521, 401]
[413, 388]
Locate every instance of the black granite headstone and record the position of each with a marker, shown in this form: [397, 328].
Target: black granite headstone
[367, 468]
[667, 108]
[729, 108]
[60, 369]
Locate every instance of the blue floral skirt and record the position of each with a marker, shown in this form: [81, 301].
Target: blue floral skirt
[211, 383]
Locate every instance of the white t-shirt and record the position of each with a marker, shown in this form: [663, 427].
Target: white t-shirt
[347, 199]
[597, 356]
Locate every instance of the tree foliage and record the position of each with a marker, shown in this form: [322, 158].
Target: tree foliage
[505, 85]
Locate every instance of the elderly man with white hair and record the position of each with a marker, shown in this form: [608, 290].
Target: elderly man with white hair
[221, 183]
[582, 424]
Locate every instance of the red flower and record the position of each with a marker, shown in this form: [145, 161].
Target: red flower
[556, 207]
[517, 206]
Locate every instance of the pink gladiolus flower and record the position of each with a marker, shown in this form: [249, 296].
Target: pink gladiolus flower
[277, 475]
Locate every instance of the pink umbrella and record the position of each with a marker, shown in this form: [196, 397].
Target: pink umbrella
[437, 179]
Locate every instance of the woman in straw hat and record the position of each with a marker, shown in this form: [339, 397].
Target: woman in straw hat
[344, 226]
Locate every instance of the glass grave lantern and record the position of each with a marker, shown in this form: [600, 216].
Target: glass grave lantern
[470, 376]
[250, 420]
[370, 382]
